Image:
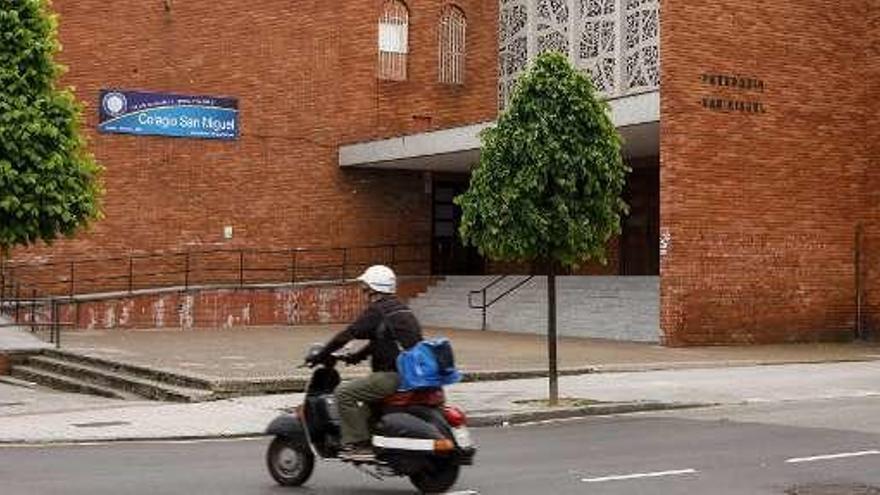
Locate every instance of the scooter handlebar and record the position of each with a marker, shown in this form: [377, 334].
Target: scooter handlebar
[330, 360]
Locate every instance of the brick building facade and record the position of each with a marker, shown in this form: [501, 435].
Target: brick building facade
[753, 142]
[305, 77]
[762, 209]
[871, 183]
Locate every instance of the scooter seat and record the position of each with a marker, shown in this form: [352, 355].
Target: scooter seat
[433, 397]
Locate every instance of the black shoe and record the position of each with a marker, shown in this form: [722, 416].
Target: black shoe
[358, 452]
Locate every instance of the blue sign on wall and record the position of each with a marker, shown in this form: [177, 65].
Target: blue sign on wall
[134, 112]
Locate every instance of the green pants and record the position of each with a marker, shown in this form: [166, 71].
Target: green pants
[353, 398]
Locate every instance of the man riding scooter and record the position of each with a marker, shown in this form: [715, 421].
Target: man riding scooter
[354, 396]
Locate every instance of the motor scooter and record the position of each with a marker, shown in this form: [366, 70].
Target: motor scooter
[415, 434]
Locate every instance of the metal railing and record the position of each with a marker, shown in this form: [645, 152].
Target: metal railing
[227, 267]
[36, 314]
[485, 305]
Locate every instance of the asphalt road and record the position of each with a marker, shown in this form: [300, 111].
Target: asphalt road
[819, 447]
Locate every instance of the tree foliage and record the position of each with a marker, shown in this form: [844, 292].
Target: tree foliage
[48, 180]
[550, 176]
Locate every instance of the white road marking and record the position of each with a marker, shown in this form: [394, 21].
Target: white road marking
[464, 492]
[844, 455]
[639, 475]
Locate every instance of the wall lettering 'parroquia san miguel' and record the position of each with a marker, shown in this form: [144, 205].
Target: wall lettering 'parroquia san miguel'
[749, 91]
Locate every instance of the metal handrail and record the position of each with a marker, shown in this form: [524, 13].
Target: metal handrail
[14, 264]
[486, 305]
[54, 324]
[332, 263]
[483, 291]
[290, 265]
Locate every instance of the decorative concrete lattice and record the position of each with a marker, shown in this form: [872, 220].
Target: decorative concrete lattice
[552, 28]
[616, 42]
[597, 42]
[640, 45]
[513, 38]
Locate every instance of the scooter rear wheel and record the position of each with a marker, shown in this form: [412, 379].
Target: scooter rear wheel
[437, 479]
[289, 463]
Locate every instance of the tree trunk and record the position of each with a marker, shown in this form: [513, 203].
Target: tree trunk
[551, 332]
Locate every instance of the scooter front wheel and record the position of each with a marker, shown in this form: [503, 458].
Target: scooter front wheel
[289, 463]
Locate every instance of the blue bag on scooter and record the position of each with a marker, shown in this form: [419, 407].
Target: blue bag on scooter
[428, 364]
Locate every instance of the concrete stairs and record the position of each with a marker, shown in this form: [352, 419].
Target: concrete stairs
[618, 308]
[83, 374]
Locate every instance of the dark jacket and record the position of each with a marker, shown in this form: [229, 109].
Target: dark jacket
[401, 323]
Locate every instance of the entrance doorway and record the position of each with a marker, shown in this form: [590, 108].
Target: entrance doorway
[640, 241]
[449, 256]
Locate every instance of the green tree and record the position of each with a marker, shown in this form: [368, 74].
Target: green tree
[548, 185]
[48, 181]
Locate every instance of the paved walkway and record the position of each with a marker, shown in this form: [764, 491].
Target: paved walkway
[18, 339]
[276, 351]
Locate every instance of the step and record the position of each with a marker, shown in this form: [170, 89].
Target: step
[445, 304]
[459, 299]
[608, 307]
[463, 325]
[446, 316]
[146, 388]
[447, 309]
[445, 323]
[65, 383]
[162, 376]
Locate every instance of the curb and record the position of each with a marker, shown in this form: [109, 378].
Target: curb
[295, 384]
[104, 441]
[476, 421]
[219, 388]
[706, 365]
[226, 388]
[507, 419]
[501, 375]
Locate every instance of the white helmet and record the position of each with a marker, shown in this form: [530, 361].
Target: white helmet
[380, 278]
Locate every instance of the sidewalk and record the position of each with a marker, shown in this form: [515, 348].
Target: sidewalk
[670, 377]
[486, 403]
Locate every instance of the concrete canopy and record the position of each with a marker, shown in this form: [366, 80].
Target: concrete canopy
[458, 149]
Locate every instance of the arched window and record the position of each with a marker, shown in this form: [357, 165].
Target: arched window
[452, 43]
[393, 40]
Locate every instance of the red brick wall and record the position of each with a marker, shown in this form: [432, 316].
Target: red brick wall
[221, 308]
[761, 210]
[871, 263]
[305, 77]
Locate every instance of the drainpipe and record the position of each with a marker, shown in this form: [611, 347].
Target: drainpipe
[858, 268]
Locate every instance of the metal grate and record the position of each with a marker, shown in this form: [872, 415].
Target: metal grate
[393, 41]
[452, 45]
